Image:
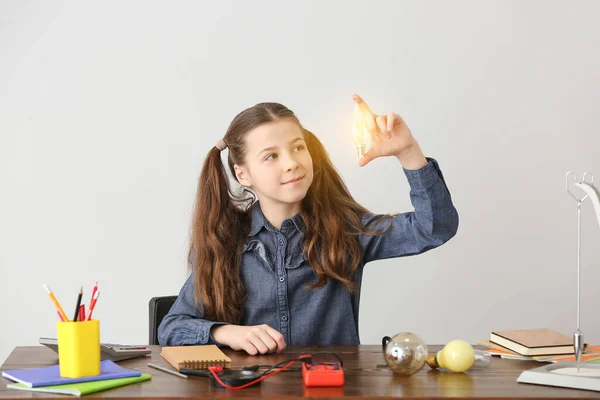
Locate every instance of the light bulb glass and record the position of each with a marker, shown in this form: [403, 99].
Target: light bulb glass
[457, 356]
[405, 353]
[360, 133]
[482, 358]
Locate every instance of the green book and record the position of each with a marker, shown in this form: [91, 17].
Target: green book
[82, 388]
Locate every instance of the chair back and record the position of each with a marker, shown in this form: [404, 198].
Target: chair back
[158, 308]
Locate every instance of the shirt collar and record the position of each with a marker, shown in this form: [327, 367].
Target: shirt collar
[259, 221]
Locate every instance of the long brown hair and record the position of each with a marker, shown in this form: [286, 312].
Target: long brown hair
[221, 221]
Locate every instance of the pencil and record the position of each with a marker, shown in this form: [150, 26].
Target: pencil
[167, 370]
[78, 304]
[56, 304]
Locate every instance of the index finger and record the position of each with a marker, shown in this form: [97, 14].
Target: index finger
[361, 103]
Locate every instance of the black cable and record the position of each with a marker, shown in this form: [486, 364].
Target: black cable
[332, 353]
[272, 367]
[259, 366]
[296, 369]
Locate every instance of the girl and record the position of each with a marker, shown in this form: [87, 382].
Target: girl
[281, 261]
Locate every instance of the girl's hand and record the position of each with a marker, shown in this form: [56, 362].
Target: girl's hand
[257, 339]
[390, 136]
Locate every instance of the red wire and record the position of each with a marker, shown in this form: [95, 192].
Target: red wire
[245, 385]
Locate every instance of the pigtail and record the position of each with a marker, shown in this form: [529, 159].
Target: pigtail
[219, 229]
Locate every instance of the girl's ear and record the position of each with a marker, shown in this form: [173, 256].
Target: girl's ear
[242, 175]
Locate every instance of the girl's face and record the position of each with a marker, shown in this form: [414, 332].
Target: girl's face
[278, 166]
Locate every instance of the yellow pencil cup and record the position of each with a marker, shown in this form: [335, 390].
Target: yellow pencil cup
[79, 348]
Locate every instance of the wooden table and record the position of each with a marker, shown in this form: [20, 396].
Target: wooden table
[363, 378]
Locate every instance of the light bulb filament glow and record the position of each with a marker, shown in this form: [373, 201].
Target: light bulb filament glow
[360, 133]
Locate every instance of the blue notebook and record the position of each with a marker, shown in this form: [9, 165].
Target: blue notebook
[50, 376]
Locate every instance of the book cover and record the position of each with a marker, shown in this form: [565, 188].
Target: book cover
[195, 357]
[534, 342]
[494, 348]
[82, 388]
[49, 376]
[590, 353]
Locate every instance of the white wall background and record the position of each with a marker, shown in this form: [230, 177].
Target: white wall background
[108, 109]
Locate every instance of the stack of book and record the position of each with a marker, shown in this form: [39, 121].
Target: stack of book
[48, 379]
[542, 345]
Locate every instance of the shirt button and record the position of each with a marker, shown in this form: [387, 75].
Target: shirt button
[281, 279]
[284, 317]
[281, 242]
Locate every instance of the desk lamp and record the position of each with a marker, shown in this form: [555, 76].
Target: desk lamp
[590, 191]
[568, 373]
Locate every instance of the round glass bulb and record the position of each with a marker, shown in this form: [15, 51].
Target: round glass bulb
[405, 353]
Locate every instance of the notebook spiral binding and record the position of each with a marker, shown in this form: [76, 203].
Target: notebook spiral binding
[196, 364]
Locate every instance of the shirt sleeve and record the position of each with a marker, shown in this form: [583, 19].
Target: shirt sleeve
[184, 323]
[433, 222]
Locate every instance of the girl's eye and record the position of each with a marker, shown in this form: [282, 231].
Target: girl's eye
[271, 157]
[300, 147]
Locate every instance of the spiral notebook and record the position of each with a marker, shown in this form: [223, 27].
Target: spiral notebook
[195, 357]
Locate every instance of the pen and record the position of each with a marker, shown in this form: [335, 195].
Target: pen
[167, 370]
[56, 304]
[93, 305]
[60, 316]
[78, 304]
[94, 290]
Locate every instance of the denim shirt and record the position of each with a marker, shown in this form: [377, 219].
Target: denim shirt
[275, 272]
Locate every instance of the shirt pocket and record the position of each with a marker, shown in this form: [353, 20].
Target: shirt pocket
[296, 260]
[258, 250]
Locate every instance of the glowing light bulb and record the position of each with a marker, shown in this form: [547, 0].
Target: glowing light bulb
[457, 356]
[360, 132]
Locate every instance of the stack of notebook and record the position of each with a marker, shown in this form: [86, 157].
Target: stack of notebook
[48, 379]
[543, 345]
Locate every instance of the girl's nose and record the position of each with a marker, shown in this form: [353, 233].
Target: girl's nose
[290, 163]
